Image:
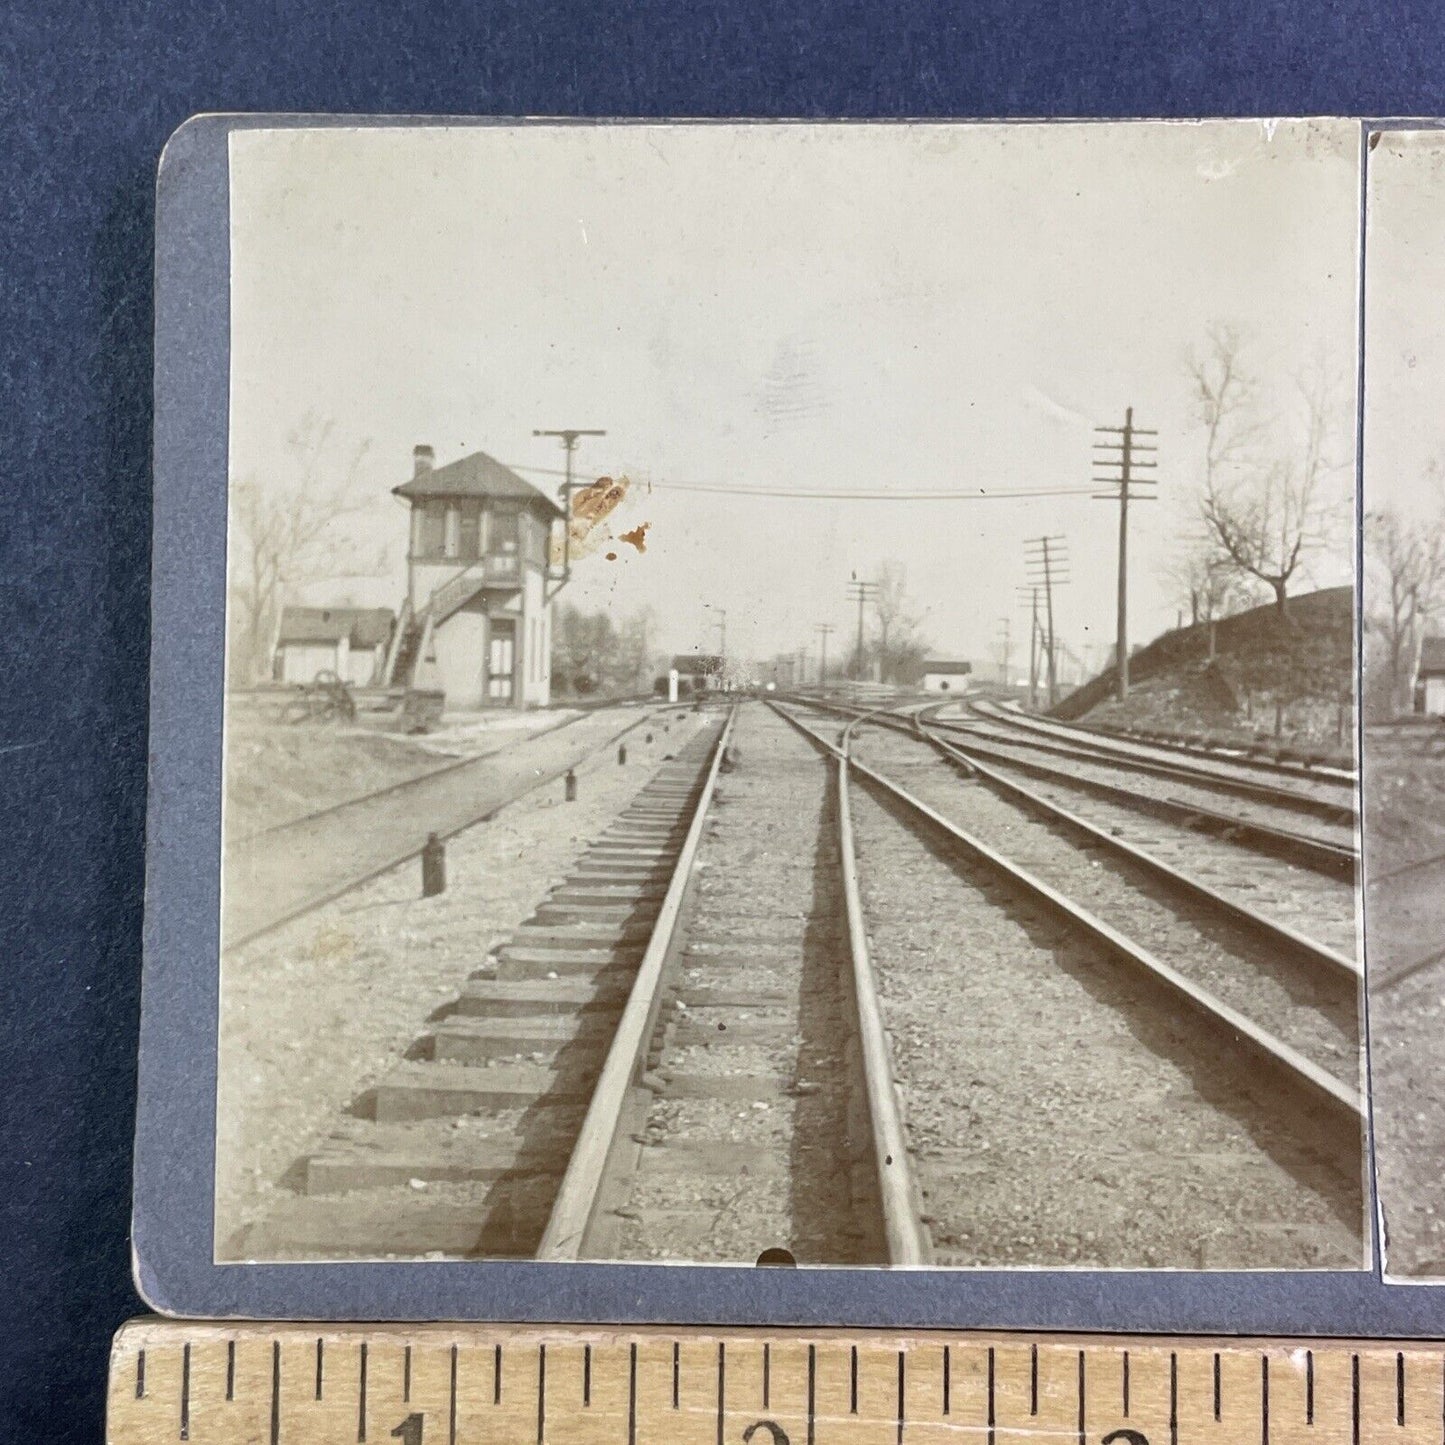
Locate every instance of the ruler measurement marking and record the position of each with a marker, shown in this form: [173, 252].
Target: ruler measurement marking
[361, 1396]
[541, 1393]
[767, 1372]
[1082, 1433]
[186, 1392]
[1309, 1387]
[1033, 1379]
[497, 1375]
[947, 1378]
[1218, 1390]
[676, 1371]
[318, 1369]
[1400, 1387]
[721, 1387]
[587, 1374]
[1173, 1398]
[140, 1375]
[1355, 1399]
[900, 1397]
[406, 1376]
[275, 1392]
[230, 1369]
[632, 1395]
[853, 1381]
[812, 1389]
[452, 1407]
[992, 1420]
[1126, 1384]
[1264, 1399]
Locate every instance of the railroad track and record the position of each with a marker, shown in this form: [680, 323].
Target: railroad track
[1262, 1025]
[1272, 829]
[739, 1027]
[284, 873]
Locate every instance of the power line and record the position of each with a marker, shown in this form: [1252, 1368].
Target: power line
[942, 494]
[1044, 561]
[861, 593]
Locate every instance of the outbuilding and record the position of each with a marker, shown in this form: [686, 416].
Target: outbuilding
[1430, 678]
[348, 641]
[945, 675]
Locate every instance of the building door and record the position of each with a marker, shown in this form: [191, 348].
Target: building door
[501, 657]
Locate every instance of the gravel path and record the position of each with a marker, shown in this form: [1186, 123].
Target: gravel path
[1057, 1114]
[762, 1163]
[1163, 789]
[312, 1014]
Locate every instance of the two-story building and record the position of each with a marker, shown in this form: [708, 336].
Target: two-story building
[476, 623]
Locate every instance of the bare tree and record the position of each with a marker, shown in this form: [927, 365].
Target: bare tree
[1408, 559]
[897, 645]
[286, 532]
[1264, 507]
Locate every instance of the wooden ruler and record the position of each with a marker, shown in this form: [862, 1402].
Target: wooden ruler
[294, 1384]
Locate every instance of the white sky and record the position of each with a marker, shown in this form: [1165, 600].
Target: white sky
[1405, 321]
[843, 307]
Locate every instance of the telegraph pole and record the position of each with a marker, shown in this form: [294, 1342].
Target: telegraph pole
[1031, 595]
[823, 629]
[861, 593]
[1119, 463]
[568, 436]
[1045, 559]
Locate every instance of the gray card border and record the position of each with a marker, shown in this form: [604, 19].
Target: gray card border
[175, 1136]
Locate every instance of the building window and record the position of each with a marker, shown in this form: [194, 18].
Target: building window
[503, 532]
[452, 535]
[470, 548]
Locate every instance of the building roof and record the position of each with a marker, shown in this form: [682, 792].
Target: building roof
[477, 475]
[362, 626]
[1432, 655]
[939, 664]
[697, 664]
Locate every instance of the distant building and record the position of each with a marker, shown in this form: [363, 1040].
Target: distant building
[941, 675]
[1430, 678]
[477, 619]
[351, 642]
[698, 671]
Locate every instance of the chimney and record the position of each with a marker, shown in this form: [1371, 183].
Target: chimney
[423, 459]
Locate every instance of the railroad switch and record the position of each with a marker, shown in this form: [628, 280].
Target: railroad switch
[433, 867]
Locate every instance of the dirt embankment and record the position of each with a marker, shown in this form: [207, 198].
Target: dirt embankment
[1291, 676]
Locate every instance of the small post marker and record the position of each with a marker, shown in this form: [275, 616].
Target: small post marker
[433, 867]
[570, 786]
[621, 755]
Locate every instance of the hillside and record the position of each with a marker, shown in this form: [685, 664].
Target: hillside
[1297, 676]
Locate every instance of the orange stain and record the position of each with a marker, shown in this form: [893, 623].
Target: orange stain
[637, 536]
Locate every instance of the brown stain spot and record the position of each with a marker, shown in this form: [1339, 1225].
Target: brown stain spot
[612, 556]
[637, 536]
[591, 506]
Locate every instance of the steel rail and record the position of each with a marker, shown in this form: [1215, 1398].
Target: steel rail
[1341, 1104]
[1328, 960]
[577, 1198]
[330, 895]
[905, 1234]
[451, 765]
[1335, 860]
[1327, 808]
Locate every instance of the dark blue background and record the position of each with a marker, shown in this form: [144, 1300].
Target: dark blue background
[88, 95]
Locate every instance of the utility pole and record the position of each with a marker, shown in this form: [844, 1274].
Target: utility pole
[1007, 650]
[861, 593]
[1046, 559]
[1031, 596]
[823, 629]
[568, 437]
[1119, 463]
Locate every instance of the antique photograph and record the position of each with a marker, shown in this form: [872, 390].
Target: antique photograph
[1403, 688]
[790, 694]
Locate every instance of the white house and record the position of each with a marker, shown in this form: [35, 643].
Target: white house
[1430, 677]
[351, 642]
[476, 623]
[942, 675]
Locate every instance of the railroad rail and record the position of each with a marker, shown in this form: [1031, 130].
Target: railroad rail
[1332, 857]
[1326, 1101]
